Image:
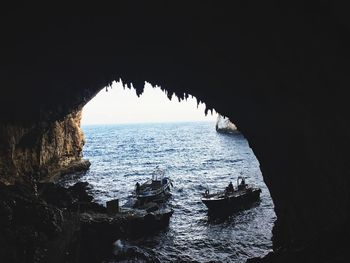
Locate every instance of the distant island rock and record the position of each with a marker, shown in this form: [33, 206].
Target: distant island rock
[224, 125]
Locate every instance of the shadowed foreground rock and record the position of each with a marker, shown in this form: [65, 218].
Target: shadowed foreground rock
[54, 224]
[100, 231]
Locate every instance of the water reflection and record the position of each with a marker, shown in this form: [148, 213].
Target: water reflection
[194, 156]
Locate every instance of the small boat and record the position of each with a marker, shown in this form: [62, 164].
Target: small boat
[232, 198]
[156, 188]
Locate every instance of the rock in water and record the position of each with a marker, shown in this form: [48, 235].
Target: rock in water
[224, 125]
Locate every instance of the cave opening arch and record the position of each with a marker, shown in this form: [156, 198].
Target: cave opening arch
[234, 162]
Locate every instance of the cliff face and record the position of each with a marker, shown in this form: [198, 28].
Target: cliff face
[42, 150]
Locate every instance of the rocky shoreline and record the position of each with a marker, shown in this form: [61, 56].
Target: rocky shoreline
[46, 222]
[76, 166]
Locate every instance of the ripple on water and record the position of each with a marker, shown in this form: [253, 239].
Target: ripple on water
[195, 157]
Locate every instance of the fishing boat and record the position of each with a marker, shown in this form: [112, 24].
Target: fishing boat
[232, 198]
[156, 188]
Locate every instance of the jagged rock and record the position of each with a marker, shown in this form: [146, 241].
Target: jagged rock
[74, 198]
[27, 224]
[44, 150]
[224, 125]
[79, 191]
[55, 194]
[100, 231]
[32, 224]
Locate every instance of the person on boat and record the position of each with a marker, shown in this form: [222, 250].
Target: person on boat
[242, 184]
[229, 188]
[137, 188]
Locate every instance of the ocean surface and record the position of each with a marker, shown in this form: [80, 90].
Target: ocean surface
[194, 156]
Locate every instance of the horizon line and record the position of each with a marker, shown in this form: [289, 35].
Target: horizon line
[151, 122]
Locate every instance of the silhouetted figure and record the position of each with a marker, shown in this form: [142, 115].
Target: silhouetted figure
[229, 188]
[242, 184]
[137, 186]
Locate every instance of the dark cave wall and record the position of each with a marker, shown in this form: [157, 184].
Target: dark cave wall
[278, 71]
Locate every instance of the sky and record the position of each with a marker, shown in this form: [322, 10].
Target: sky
[121, 105]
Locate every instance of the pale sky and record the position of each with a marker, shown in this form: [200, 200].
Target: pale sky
[119, 105]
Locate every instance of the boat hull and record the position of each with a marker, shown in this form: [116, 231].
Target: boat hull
[153, 196]
[231, 202]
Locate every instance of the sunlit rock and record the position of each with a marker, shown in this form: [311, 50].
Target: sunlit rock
[42, 150]
[224, 125]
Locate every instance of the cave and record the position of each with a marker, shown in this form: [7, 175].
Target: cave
[279, 70]
[127, 136]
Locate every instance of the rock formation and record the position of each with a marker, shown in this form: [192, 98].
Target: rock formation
[56, 224]
[41, 150]
[224, 125]
[281, 71]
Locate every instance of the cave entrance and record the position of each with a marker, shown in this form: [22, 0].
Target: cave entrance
[128, 136]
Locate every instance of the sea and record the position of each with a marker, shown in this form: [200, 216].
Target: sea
[195, 157]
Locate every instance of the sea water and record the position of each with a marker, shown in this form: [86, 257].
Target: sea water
[195, 157]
